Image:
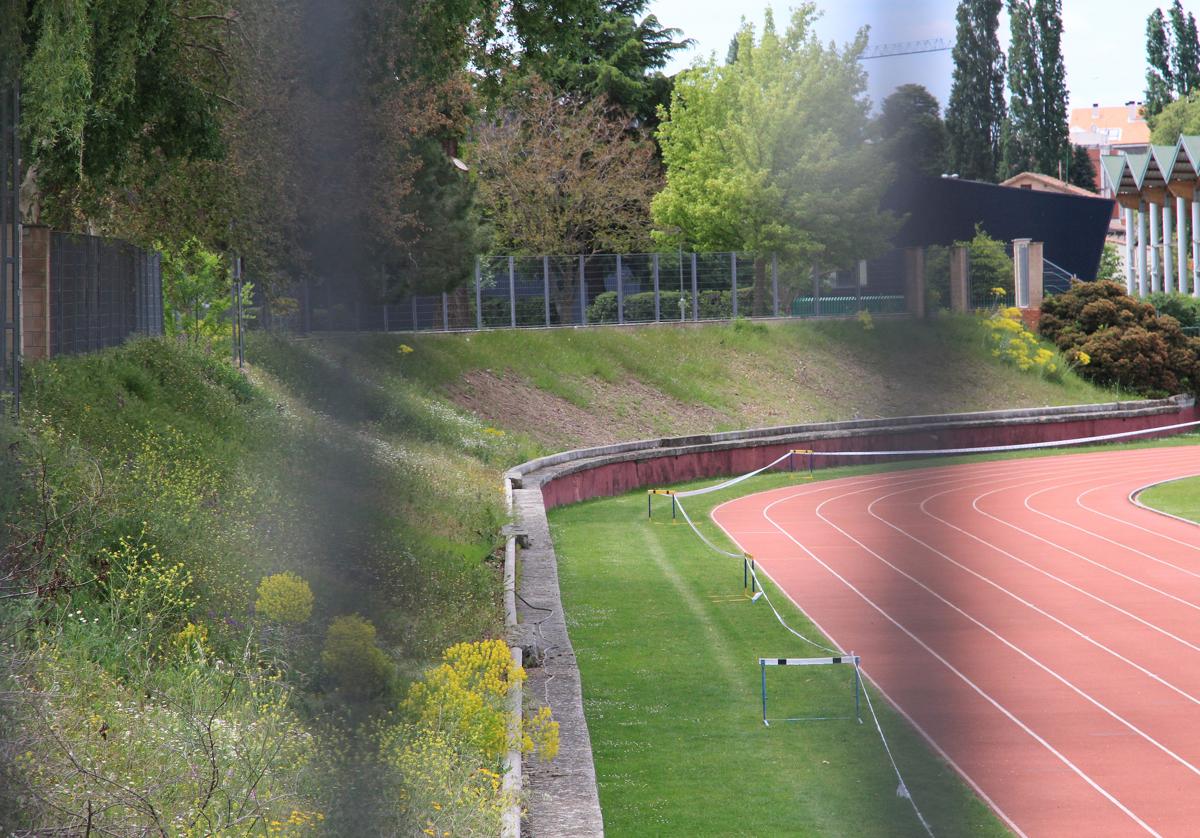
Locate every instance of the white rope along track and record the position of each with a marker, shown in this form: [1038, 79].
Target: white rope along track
[997, 449]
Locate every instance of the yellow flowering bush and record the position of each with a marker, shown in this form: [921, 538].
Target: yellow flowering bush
[284, 598]
[1013, 343]
[866, 321]
[146, 593]
[350, 656]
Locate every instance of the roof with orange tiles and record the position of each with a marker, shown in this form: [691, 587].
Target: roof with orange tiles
[1121, 125]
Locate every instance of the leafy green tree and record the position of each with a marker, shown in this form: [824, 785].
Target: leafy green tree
[911, 127]
[1180, 117]
[1036, 137]
[1160, 79]
[197, 294]
[1110, 264]
[976, 111]
[769, 155]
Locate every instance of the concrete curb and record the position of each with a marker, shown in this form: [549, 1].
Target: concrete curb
[563, 799]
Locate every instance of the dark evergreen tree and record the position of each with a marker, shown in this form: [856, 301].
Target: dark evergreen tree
[1082, 173]
[976, 110]
[911, 127]
[597, 48]
[1160, 79]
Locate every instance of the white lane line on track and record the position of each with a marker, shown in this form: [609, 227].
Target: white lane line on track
[1082, 635]
[963, 677]
[1123, 546]
[1072, 586]
[1132, 498]
[1020, 651]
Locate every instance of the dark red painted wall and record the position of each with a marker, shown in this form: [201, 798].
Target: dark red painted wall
[666, 471]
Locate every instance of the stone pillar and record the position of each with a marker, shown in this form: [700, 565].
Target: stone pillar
[1196, 242]
[914, 280]
[960, 279]
[1181, 248]
[1036, 264]
[35, 291]
[1168, 232]
[1154, 245]
[1130, 267]
[1143, 283]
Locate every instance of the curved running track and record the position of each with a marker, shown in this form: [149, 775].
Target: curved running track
[1041, 630]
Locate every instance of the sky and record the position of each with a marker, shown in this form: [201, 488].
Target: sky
[1103, 40]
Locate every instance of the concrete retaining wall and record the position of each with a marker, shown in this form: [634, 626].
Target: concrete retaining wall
[562, 795]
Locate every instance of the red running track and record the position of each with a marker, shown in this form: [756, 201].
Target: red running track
[1041, 630]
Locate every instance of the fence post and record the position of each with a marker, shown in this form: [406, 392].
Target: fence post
[546, 286]
[816, 292]
[695, 292]
[582, 292]
[478, 292]
[414, 312]
[512, 292]
[620, 292]
[445, 312]
[733, 281]
[775, 283]
[657, 300]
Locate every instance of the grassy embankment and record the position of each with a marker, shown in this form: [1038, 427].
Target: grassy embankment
[575, 387]
[1179, 497]
[150, 489]
[668, 656]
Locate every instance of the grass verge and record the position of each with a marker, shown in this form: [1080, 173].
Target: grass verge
[1179, 497]
[671, 690]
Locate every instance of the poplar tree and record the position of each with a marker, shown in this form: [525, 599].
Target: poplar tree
[1036, 137]
[1160, 79]
[976, 109]
[1185, 52]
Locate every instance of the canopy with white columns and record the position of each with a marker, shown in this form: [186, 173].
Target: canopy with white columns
[1159, 191]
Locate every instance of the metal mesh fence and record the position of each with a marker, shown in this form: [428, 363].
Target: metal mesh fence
[102, 292]
[611, 289]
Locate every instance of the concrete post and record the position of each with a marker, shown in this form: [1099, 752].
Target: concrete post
[1143, 281]
[445, 312]
[582, 292]
[1130, 267]
[1181, 249]
[960, 279]
[1036, 264]
[733, 283]
[695, 291]
[546, 286]
[620, 291]
[1155, 248]
[1168, 233]
[512, 292]
[1021, 272]
[1196, 242]
[657, 298]
[816, 290]
[914, 280]
[775, 284]
[478, 294]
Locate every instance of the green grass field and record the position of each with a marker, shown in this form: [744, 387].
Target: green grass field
[671, 692]
[1179, 497]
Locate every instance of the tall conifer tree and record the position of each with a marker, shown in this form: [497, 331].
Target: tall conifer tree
[1160, 79]
[1036, 137]
[976, 109]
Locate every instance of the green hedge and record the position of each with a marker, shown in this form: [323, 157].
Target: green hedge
[712, 305]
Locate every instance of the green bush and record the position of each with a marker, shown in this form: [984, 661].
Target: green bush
[284, 598]
[1183, 308]
[711, 305]
[1126, 342]
[358, 667]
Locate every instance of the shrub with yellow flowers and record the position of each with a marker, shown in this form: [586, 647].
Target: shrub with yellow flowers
[284, 598]
[1013, 343]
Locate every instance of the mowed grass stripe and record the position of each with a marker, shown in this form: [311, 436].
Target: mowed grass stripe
[671, 691]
